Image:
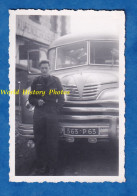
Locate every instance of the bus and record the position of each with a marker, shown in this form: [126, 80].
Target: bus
[88, 67]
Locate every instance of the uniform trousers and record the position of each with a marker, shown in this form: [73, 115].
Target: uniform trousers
[46, 136]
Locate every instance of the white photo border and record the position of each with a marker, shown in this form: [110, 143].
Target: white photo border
[12, 53]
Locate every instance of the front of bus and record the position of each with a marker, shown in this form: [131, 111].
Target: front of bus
[88, 69]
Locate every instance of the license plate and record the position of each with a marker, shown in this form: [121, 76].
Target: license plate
[81, 131]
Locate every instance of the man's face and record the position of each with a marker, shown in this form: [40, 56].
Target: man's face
[44, 68]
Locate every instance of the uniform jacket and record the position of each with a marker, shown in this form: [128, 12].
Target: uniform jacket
[53, 103]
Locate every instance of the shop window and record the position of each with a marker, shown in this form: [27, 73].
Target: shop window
[23, 52]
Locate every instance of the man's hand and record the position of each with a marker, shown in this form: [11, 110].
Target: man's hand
[40, 102]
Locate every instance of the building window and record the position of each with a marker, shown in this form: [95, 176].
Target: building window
[63, 25]
[35, 18]
[53, 22]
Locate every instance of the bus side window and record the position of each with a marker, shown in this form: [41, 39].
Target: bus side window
[104, 52]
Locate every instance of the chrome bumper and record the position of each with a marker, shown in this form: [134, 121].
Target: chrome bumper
[109, 130]
[100, 114]
[26, 130]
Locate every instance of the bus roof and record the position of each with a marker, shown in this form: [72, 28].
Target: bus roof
[72, 38]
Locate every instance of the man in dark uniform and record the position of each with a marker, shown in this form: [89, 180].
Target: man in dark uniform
[45, 118]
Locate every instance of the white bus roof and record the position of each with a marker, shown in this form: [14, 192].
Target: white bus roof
[72, 38]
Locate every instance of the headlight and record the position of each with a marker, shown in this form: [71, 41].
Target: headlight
[109, 94]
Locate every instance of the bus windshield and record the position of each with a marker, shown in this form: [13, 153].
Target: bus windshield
[71, 55]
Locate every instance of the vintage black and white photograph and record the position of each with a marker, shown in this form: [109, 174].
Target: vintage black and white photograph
[66, 115]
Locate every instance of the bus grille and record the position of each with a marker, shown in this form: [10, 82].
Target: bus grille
[89, 92]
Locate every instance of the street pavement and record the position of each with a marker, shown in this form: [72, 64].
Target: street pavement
[75, 159]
